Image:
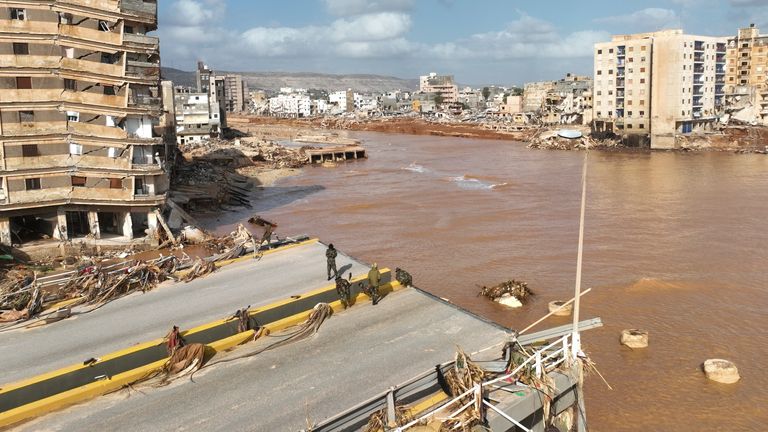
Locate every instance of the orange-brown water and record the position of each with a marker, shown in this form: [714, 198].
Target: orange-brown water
[675, 243]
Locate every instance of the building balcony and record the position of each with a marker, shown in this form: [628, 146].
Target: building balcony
[698, 46]
[143, 70]
[141, 41]
[619, 83]
[141, 8]
[29, 62]
[80, 195]
[720, 71]
[698, 69]
[14, 97]
[145, 101]
[86, 67]
[18, 29]
[102, 5]
[66, 161]
[698, 58]
[720, 58]
[91, 35]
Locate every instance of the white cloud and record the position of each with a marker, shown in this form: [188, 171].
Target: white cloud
[371, 27]
[357, 7]
[648, 19]
[190, 13]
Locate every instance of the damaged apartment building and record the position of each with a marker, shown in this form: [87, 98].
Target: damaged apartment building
[565, 101]
[82, 150]
[652, 87]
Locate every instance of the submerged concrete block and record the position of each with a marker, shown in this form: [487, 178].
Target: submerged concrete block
[634, 338]
[722, 371]
[557, 308]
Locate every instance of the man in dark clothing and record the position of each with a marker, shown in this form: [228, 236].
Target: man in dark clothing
[331, 253]
[343, 288]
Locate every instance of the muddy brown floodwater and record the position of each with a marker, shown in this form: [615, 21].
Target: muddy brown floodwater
[675, 243]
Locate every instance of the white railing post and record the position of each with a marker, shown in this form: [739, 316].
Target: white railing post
[538, 364]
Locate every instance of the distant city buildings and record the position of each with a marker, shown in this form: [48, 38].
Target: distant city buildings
[656, 85]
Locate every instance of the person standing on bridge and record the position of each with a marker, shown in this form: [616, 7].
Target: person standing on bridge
[374, 280]
[331, 253]
[343, 288]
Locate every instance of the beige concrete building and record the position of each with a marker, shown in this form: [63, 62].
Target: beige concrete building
[82, 150]
[535, 95]
[235, 93]
[747, 69]
[658, 85]
[441, 85]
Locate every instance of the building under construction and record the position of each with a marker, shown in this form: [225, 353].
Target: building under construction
[82, 151]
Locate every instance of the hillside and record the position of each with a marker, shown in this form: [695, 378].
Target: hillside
[272, 81]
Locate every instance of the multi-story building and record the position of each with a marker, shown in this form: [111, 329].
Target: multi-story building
[441, 85]
[235, 93]
[203, 77]
[81, 151]
[290, 105]
[197, 117]
[535, 95]
[747, 69]
[658, 85]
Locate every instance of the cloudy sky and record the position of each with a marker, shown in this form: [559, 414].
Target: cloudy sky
[478, 41]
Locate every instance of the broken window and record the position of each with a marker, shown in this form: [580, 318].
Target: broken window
[75, 149]
[103, 26]
[115, 183]
[32, 183]
[23, 82]
[18, 14]
[20, 48]
[109, 90]
[78, 181]
[70, 84]
[30, 150]
[128, 29]
[26, 116]
[138, 188]
[73, 116]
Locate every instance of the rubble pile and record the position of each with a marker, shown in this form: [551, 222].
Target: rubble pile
[510, 288]
[23, 296]
[216, 172]
[552, 141]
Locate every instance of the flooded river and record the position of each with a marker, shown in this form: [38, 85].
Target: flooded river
[675, 243]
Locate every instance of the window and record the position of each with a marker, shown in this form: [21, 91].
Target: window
[631, 49]
[29, 150]
[128, 29]
[642, 101]
[113, 152]
[599, 51]
[103, 26]
[629, 125]
[610, 92]
[75, 149]
[629, 113]
[683, 113]
[23, 82]
[610, 113]
[642, 48]
[630, 59]
[138, 187]
[115, 183]
[18, 14]
[642, 80]
[65, 18]
[642, 113]
[26, 116]
[641, 126]
[642, 69]
[599, 92]
[73, 116]
[642, 59]
[610, 71]
[109, 90]
[599, 72]
[70, 84]
[610, 51]
[20, 48]
[78, 181]
[108, 58]
[32, 183]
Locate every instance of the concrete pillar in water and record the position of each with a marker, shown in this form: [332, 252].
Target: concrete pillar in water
[127, 226]
[5, 231]
[93, 224]
[60, 231]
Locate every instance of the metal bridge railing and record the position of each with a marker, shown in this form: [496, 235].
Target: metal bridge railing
[543, 361]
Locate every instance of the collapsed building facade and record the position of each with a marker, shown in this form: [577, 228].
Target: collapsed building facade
[84, 140]
[746, 78]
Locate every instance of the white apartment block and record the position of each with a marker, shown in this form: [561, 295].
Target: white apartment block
[197, 119]
[290, 105]
[658, 84]
[442, 85]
